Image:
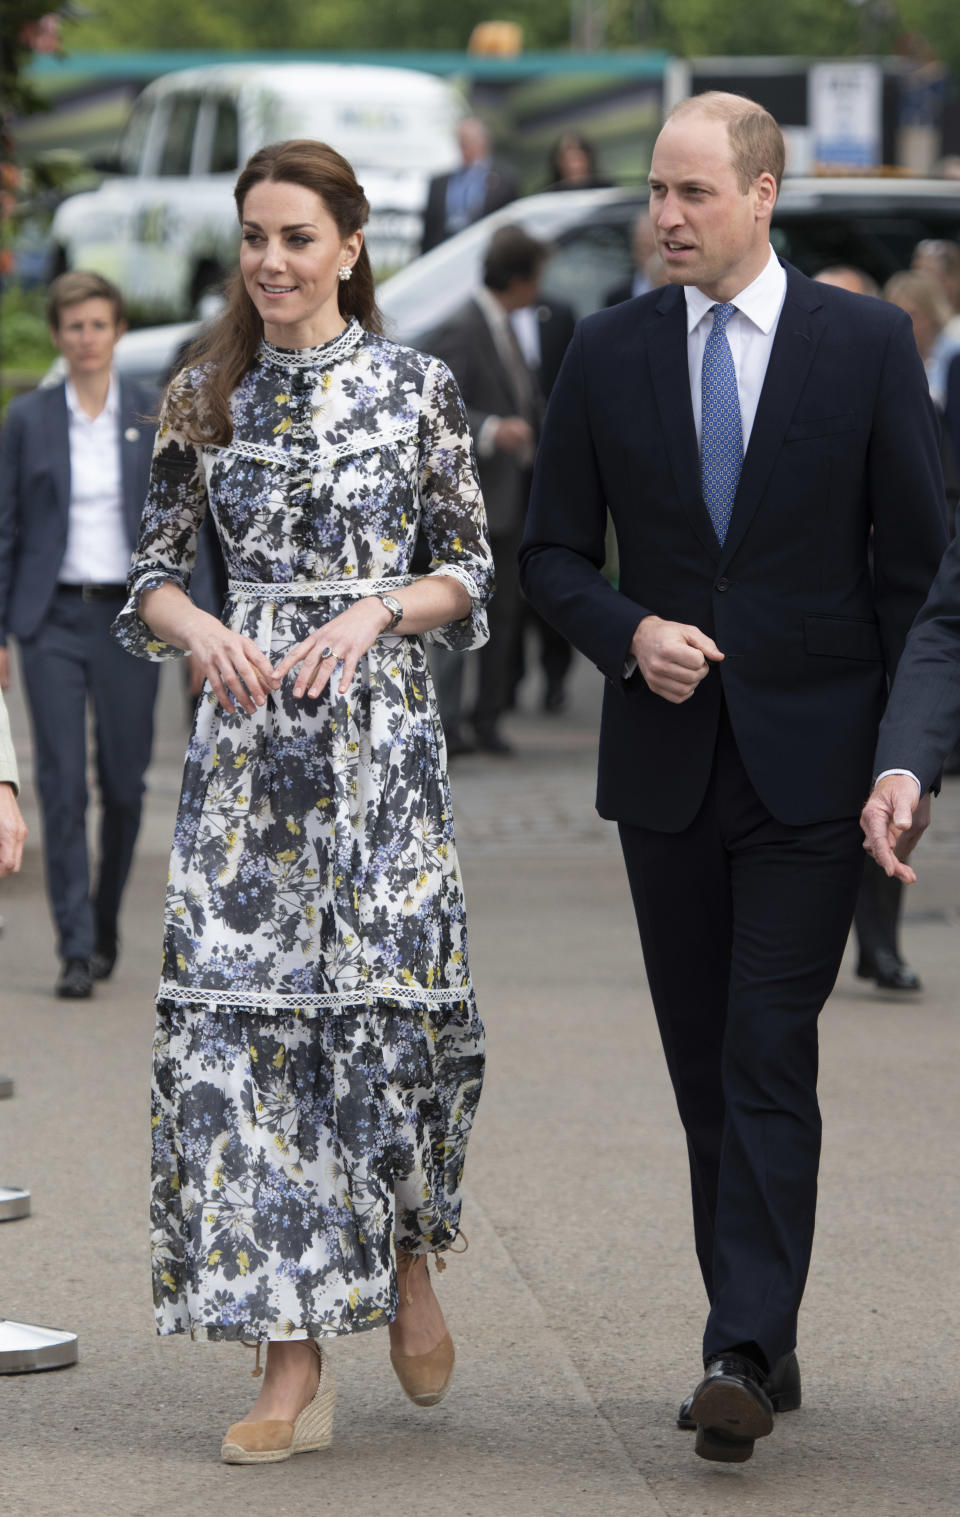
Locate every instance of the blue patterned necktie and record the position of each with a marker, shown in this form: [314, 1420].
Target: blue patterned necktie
[721, 433]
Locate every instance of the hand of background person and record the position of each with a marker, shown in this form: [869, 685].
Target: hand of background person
[673, 658]
[894, 820]
[239, 673]
[4, 668]
[514, 435]
[348, 636]
[13, 831]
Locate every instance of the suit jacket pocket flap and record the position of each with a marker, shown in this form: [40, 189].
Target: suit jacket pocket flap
[841, 637]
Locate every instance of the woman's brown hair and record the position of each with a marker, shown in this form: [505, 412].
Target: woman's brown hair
[229, 348]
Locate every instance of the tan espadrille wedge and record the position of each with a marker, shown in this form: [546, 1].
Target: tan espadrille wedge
[425, 1377]
[270, 1442]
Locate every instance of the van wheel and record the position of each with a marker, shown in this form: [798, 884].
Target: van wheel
[207, 281]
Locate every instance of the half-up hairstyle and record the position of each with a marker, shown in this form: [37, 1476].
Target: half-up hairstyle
[228, 349]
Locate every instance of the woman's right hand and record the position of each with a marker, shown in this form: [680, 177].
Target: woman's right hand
[239, 673]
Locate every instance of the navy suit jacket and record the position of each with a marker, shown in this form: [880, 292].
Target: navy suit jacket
[843, 455]
[35, 495]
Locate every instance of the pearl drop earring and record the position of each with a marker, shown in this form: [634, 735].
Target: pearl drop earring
[344, 273]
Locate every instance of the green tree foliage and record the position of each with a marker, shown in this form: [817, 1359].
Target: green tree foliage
[686, 27]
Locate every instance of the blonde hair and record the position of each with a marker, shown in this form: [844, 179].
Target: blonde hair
[756, 141]
[922, 291]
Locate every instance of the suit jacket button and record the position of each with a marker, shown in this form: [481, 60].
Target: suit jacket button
[722, 584]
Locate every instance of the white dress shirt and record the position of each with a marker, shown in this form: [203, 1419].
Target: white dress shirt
[98, 549]
[750, 333]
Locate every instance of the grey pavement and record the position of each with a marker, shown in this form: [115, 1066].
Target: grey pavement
[578, 1309]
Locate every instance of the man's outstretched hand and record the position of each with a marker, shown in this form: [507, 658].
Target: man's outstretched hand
[894, 819]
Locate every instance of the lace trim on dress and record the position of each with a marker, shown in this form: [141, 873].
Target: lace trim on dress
[322, 357]
[316, 459]
[313, 589]
[271, 1001]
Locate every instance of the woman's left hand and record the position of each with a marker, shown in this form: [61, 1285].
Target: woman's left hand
[344, 640]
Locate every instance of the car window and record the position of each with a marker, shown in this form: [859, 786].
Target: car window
[589, 261]
[881, 241]
[181, 125]
[135, 136]
[225, 150]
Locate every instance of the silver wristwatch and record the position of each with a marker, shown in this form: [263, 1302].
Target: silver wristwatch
[395, 609]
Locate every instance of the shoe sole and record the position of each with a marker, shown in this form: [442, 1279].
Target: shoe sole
[728, 1408]
[722, 1448]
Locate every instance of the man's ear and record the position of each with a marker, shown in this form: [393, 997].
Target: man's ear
[766, 196]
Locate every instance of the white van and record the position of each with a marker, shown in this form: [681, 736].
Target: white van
[164, 229]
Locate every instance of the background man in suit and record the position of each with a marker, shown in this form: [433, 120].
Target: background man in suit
[746, 428]
[920, 727]
[646, 263]
[503, 407]
[543, 331]
[456, 200]
[74, 466]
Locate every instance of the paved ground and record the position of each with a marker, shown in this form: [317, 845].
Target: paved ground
[578, 1310]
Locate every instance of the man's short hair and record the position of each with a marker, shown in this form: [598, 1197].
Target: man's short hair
[78, 285]
[512, 254]
[756, 141]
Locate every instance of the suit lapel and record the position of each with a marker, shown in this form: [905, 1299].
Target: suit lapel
[58, 435]
[794, 347]
[670, 376]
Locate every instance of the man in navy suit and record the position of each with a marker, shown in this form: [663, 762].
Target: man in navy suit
[748, 431]
[74, 466]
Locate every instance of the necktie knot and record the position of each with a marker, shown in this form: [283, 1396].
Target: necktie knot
[722, 314]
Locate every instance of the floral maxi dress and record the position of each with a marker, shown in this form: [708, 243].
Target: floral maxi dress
[318, 1054]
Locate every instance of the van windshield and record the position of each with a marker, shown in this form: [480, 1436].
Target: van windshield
[404, 136]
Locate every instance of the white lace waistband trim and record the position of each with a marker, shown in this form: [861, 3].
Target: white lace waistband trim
[313, 589]
[270, 1001]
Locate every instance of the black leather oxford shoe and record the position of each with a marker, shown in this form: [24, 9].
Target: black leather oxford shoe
[782, 1385]
[75, 983]
[731, 1409]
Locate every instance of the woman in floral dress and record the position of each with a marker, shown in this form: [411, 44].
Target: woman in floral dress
[318, 1056]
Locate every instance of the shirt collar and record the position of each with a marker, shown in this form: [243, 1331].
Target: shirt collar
[111, 407]
[760, 302]
[496, 316]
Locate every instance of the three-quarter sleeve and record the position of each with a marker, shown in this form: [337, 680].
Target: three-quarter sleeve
[453, 518]
[174, 509]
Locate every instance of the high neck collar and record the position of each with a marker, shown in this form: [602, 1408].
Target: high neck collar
[321, 357]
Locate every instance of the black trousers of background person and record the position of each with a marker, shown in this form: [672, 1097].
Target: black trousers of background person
[743, 922]
[71, 659]
[495, 658]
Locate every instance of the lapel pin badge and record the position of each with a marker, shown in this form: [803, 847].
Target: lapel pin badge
[132, 434]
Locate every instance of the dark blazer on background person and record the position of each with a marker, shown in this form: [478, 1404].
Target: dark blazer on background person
[464, 342]
[810, 637]
[556, 324]
[501, 187]
[35, 494]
